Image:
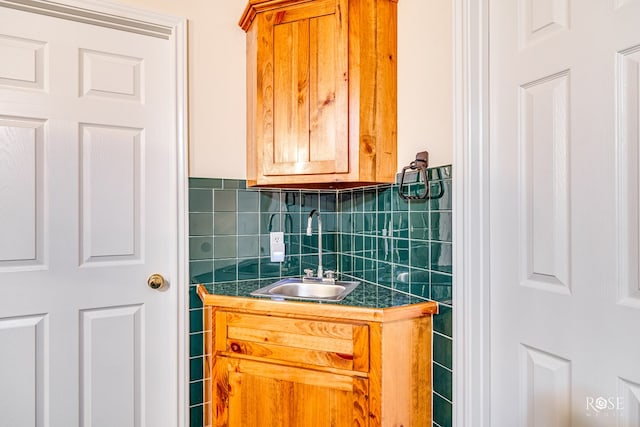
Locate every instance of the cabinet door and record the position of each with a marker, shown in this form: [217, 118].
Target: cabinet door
[304, 89]
[257, 394]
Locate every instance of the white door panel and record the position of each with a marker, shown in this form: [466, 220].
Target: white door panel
[26, 68]
[23, 365]
[21, 211]
[111, 366]
[564, 91]
[87, 213]
[628, 162]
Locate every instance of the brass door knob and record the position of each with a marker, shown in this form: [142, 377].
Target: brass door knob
[156, 282]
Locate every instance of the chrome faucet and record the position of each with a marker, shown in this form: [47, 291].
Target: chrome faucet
[320, 273]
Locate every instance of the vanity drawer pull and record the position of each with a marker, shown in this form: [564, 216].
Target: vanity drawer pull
[237, 348]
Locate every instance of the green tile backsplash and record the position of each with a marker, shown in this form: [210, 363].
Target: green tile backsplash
[370, 233]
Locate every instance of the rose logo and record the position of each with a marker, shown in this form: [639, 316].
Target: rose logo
[601, 403]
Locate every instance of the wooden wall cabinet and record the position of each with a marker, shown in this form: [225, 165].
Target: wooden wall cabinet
[321, 92]
[270, 364]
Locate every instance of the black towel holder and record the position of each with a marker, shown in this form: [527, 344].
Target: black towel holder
[420, 164]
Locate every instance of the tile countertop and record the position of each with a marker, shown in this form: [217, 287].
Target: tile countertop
[366, 295]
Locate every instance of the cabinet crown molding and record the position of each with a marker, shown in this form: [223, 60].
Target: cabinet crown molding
[256, 6]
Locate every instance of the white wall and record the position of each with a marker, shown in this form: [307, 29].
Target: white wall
[217, 82]
[425, 80]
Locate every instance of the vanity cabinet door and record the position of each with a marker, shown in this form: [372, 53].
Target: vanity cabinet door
[257, 394]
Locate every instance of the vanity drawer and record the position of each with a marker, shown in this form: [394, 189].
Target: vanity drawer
[339, 345]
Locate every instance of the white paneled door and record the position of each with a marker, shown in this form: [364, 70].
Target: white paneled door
[87, 213]
[565, 213]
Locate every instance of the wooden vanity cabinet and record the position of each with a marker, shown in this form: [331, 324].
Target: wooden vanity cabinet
[277, 371]
[321, 92]
[311, 365]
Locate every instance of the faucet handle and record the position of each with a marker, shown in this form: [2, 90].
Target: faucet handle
[329, 274]
[308, 272]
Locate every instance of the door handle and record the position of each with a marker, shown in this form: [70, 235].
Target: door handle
[157, 282]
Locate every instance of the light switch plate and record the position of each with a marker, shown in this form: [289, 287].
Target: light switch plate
[276, 245]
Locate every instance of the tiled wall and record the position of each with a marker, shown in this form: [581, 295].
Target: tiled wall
[229, 228]
[406, 246]
[371, 234]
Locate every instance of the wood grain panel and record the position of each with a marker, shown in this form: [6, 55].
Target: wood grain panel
[335, 345]
[208, 324]
[375, 375]
[307, 327]
[287, 354]
[311, 79]
[222, 387]
[293, 374]
[407, 388]
[361, 348]
[256, 8]
[220, 330]
[291, 83]
[260, 396]
[322, 91]
[386, 99]
[254, 158]
[362, 86]
[264, 123]
[291, 340]
[302, 11]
